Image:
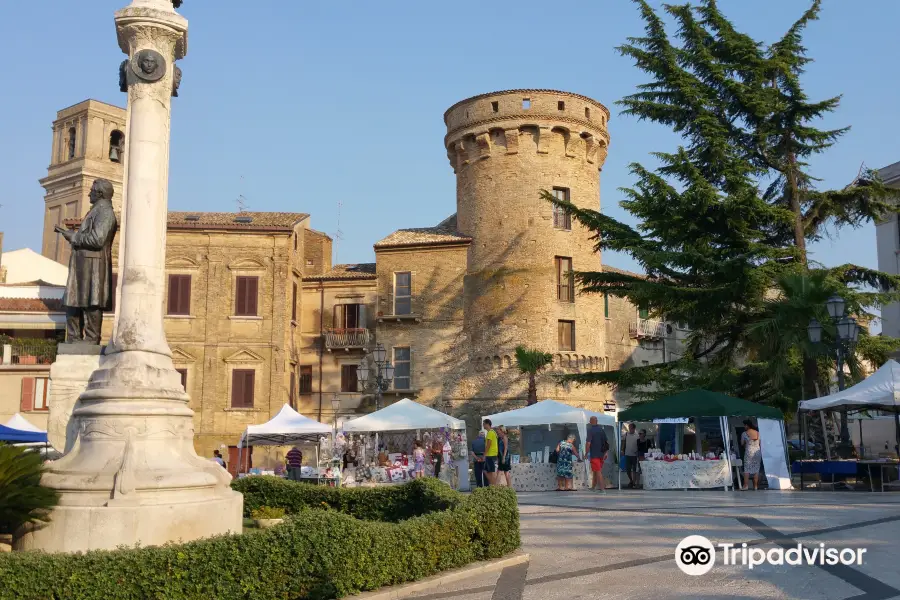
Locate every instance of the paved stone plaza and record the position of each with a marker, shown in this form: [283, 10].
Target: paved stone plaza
[622, 545]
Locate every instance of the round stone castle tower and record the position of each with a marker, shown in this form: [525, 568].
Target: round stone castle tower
[505, 147]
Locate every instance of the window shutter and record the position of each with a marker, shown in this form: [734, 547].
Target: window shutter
[172, 300]
[294, 303]
[293, 386]
[253, 292]
[237, 389]
[362, 317]
[184, 295]
[337, 316]
[240, 295]
[27, 402]
[249, 377]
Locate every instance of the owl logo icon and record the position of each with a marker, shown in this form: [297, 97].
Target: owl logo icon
[695, 555]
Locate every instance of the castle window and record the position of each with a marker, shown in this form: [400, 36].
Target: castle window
[587, 112]
[495, 106]
[402, 293]
[526, 103]
[565, 280]
[566, 331]
[183, 373]
[349, 380]
[402, 369]
[116, 146]
[305, 379]
[71, 143]
[561, 105]
[606, 305]
[561, 217]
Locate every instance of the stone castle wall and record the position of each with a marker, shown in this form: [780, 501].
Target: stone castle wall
[505, 148]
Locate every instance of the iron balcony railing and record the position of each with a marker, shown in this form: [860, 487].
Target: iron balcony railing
[32, 354]
[647, 329]
[342, 339]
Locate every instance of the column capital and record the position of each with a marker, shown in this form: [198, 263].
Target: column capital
[150, 23]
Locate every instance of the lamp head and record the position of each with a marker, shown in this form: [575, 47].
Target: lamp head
[835, 306]
[814, 329]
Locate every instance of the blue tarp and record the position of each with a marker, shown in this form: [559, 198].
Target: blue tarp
[17, 436]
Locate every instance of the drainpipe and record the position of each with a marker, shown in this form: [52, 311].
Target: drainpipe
[321, 343]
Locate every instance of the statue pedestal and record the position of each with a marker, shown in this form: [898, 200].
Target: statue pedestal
[69, 376]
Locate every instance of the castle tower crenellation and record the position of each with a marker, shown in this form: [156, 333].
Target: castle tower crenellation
[505, 148]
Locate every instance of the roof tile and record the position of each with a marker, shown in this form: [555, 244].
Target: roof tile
[345, 272]
[423, 236]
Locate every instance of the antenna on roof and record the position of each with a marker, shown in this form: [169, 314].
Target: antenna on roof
[338, 235]
[241, 199]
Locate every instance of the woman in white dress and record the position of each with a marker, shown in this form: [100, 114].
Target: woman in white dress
[752, 454]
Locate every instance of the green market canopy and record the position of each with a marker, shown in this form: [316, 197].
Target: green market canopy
[699, 403]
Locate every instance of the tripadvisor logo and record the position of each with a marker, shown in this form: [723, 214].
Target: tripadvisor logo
[696, 555]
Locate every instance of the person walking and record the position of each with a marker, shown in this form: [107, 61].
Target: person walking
[566, 453]
[630, 450]
[752, 454]
[596, 449]
[491, 452]
[478, 447]
[294, 463]
[217, 457]
[504, 468]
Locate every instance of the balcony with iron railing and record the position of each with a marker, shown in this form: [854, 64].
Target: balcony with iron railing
[645, 329]
[347, 338]
[28, 354]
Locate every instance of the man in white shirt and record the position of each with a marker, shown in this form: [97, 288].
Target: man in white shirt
[630, 450]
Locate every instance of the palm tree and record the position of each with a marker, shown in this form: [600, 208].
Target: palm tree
[22, 498]
[532, 362]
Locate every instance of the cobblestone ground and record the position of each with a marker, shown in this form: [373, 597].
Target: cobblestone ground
[622, 545]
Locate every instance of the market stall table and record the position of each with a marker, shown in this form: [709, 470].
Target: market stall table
[843, 468]
[685, 474]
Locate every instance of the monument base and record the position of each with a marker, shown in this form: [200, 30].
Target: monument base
[69, 376]
[81, 528]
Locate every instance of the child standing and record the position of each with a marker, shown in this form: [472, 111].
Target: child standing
[419, 458]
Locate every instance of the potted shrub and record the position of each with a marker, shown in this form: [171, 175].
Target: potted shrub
[266, 516]
[22, 498]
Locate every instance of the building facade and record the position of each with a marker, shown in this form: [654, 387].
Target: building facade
[257, 316]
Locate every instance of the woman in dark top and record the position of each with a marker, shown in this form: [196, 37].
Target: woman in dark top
[503, 464]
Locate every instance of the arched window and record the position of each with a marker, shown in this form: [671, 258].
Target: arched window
[71, 143]
[116, 146]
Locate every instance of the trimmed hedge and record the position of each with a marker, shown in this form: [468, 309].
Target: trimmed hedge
[315, 554]
[387, 503]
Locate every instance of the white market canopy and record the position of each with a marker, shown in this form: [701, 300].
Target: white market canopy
[549, 412]
[22, 424]
[403, 415]
[286, 428]
[880, 390]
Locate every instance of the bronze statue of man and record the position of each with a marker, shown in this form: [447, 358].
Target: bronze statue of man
[89, 287]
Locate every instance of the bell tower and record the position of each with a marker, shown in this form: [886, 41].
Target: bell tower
[88, 142]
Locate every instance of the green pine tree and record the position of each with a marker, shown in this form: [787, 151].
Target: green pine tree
[725, 219]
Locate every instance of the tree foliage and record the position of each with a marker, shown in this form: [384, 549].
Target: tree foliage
[530, 363]
[723, 220]
[22, 498]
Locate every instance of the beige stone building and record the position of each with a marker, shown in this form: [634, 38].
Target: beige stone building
[257, 316]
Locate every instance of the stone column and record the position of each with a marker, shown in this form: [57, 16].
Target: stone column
[132, 475]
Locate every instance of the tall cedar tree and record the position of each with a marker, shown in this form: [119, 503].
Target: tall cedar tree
[725, 219]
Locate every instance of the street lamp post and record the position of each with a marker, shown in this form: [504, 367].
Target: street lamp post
[378, 378]
[847, 334]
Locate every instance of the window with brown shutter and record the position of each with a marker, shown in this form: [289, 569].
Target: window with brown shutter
[305, 379]
[242, 381]
[294, 304]
[567, 335]
[561, 217]
[179, 301]
[349, 380]
[183, 373]
[245, 301]
[26, 403]
[565, 280]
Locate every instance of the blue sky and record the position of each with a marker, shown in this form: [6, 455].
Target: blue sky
[299, 104]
